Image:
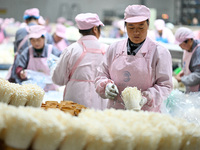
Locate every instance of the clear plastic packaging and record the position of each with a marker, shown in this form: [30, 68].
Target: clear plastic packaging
[39, 78]
[181, 105]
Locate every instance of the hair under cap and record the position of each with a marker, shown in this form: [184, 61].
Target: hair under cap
[183, 34]
[87, 21]
[36, 31]
[136, 13]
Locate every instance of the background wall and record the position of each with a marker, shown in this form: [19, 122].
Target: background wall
[52, 9]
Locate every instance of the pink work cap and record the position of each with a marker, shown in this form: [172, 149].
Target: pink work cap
[41, 21]
[61, 30]
[61, 20]
[159, 24]
[36, 31]
[87, 21]
[183, 34]
[136, 13]
[33, 12]
[1, 20]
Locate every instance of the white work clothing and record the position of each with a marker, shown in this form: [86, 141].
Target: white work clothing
[187, 56]
[76, 69]
[149, 70]
[166, 37]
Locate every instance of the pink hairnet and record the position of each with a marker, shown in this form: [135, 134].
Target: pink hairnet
[183, 34]
[136, 13]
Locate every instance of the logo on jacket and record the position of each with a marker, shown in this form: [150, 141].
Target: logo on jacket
[127, 76]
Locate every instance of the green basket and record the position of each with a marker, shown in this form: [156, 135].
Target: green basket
[177, 70]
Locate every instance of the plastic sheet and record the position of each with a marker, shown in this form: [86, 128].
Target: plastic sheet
[181, 105]
[53, 96]
[39, 78]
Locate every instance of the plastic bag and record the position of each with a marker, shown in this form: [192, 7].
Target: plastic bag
[52, 61]
[186, 106]
[39, 78]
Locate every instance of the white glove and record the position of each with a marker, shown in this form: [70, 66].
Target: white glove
[143, 101]
[146, 98]
[111, 91]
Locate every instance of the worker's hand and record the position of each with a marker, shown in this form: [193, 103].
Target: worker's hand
[143, 101]
[146, 98]
[111, 91]
[23, 75]
[178, 76]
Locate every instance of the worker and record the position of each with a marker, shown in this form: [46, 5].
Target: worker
[138, 62]
[30, 17]
[35, 57]
[162, 33]
[59, 37]
[3, 35]
[76, 69]
[190, 75]
[21, 42]
[118, 30]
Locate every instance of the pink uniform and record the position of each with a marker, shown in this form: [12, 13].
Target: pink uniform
[149, 70]
[61, 45]
[40, 64]
[76, 70]
[167, 36]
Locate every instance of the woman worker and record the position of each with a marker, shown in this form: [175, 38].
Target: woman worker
[76, 68]
[59, 37]
[136, 62]
[162, 33]
[190, 75]
[35, 57]
[31, 17]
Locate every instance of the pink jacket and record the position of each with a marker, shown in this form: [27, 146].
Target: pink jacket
[150, 70]
[76, 70]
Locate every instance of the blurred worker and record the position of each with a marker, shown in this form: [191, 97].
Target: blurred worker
[61, 20]
[35, 56]
[190, 75]
[3, 35]
[138, 62]
[162, 33]
[31, 17]
[41, 21]
[76, 68]
[45, 22]
[118, 30]
[59, 37]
